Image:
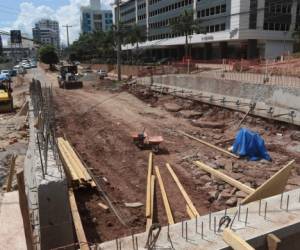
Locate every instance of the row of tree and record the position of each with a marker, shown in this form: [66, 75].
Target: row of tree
[103, 44]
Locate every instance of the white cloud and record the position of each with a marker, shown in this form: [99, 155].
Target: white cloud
[67, 14]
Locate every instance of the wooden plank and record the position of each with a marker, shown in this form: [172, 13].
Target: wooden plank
[25, 210]
[66, 160]
[77, 222]
[150, 219]
[224, 177]
[275, 185]
[164, 196]
[72, 161]
[78, 162]
[103, 206]
[182, 190]
[11, 173]
[190, 213]
[209, 145]
[148, 192]
[234, 241]
[273, 242]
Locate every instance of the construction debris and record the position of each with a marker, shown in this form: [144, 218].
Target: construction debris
[133, 204]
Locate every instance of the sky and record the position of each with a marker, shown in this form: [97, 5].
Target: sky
[22, 14]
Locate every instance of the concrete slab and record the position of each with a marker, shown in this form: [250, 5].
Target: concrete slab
[278, 214]
[12, 234]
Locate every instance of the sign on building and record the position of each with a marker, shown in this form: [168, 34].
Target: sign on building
[15, 37]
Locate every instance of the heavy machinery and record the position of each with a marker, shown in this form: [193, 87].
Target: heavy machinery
[6, 99]
[68, 78]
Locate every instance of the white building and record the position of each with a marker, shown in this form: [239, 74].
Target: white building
[234, 28]
[92, 18]
[46, 31]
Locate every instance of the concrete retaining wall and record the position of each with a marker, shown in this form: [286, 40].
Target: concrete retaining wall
[272, 95]
[47, 197]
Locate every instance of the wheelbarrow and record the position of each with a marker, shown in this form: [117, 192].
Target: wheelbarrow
[143, 141]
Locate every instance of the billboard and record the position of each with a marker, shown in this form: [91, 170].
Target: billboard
[15, 37]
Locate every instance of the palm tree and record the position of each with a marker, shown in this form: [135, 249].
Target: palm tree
[187, 25]
[135, 34]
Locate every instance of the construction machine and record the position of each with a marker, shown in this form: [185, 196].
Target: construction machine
[68, 78]
[6, 98]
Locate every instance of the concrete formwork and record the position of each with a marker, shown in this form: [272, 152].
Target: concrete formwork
[47, 195]
[252, 222]
[227, 93]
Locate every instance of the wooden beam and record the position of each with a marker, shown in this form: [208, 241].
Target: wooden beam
[209, 145]
[148, 192]
[273, 242]
[182, 190]
[234, 241]
[164, 196]
[77, 222]
[224, 177]
[25, 210]
[11, 172]
[275, 185]
[152, 190]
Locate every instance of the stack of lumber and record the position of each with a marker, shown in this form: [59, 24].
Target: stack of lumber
[76, 170]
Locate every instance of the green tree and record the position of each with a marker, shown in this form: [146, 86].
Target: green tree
[48, 55]
[185, 24]
[134, 35]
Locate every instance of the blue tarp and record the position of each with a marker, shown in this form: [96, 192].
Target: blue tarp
[250, 144]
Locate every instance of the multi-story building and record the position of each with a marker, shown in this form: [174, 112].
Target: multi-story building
[95, 19]
[233, 28]
[47, 32]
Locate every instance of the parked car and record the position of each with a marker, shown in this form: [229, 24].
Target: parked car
[102, 73]
[20, 69]
[5, 72]
[13, 73]
[33, 64]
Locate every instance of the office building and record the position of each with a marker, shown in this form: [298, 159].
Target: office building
[95, 19]
[233, 28]
[47, 32]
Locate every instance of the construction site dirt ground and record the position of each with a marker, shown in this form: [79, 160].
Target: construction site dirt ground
[99, 119]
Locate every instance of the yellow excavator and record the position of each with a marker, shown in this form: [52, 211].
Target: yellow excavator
[6, 98]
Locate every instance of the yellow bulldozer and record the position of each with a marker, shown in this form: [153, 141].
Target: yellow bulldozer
[6, 98]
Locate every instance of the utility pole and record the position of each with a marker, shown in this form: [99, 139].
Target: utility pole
[118, 41]
[68, 39]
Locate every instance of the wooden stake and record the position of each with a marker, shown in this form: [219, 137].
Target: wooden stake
[25, 210]
[148, 194]
[77, 222]
[182, 190]
[224, 177]
[164, 196]
[233, 240]
[190, 213]
[11, 173]
[209, 145]
[152, 190]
